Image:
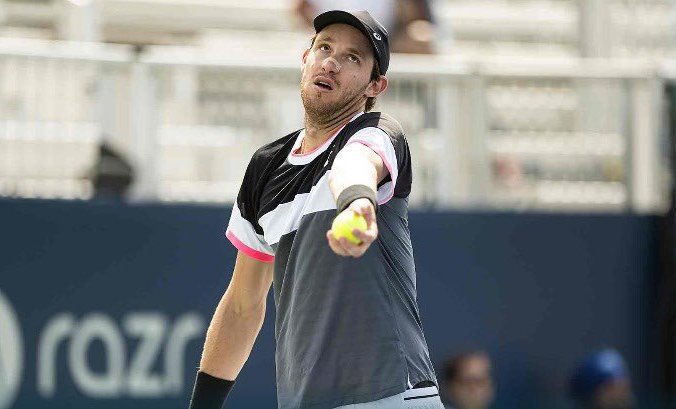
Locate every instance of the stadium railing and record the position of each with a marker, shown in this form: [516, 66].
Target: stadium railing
[543, 134]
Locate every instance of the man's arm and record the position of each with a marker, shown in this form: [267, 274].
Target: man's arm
[234, 326]
[356, 164]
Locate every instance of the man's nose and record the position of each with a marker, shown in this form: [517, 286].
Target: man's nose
[330, 64]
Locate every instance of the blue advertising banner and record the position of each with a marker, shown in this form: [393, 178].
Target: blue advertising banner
[105, 305]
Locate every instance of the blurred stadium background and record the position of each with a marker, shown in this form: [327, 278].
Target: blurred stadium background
[541, 132]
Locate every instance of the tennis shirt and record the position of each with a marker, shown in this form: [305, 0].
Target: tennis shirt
[347, 330]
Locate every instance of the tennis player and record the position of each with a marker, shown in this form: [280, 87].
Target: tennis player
[347, 327]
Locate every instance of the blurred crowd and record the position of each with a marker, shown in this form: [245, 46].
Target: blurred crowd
[409, 22]
[600, 381]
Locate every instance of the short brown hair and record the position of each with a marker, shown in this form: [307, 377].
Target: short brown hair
[375, 74]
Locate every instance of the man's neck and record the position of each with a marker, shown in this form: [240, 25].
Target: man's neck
[317, 132]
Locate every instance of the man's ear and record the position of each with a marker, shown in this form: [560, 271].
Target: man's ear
[376, 87]
[305, 53]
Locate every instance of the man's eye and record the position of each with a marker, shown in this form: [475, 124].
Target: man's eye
[353, 58]
[323, 47]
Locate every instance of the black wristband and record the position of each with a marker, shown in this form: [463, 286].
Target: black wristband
[354, 192]
[209, 392]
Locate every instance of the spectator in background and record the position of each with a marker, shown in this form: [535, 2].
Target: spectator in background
[602, 381]
[409, 22]
[112, 174]
[468, 381]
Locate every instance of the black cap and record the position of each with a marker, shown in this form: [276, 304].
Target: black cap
[365, 23]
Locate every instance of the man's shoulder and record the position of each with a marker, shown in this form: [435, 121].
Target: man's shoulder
[382, 121]
[268, 151]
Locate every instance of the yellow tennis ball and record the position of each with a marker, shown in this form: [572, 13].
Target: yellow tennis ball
[345, 222]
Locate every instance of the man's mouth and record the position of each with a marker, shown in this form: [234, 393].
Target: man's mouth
[323, 84]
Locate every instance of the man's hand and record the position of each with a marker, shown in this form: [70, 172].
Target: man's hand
[343, 246]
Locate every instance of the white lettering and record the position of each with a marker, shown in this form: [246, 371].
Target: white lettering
[109, 384]
[57, 329]
[123, 375]
[187, 327]
[150, 328]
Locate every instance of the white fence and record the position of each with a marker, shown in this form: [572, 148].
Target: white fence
[563, 134]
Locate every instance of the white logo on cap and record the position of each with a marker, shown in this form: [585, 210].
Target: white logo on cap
[11, 354]
[377, 36]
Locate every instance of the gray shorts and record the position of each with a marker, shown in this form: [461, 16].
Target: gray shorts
[420, 398]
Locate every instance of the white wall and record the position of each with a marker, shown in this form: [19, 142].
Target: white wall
[78, 20]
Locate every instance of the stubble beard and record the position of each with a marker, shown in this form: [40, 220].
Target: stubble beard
[321, 112]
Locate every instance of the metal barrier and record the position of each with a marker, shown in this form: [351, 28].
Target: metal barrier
[52, 103]
[544, 134]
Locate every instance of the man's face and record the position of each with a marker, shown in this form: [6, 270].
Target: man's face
[473, 387]
[336, 71]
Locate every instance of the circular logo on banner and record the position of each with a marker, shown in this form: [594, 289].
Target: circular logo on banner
[11, 354]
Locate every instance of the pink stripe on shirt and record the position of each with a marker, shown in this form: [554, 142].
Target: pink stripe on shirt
[255, 254]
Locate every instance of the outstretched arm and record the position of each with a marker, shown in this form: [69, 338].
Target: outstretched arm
[356, 164]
